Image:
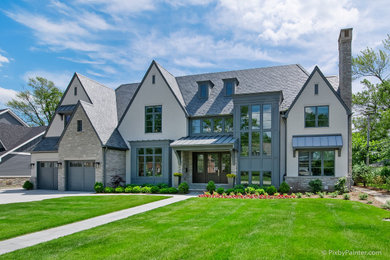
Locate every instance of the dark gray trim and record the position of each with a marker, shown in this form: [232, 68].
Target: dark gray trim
[235, 84]
[153, 122]
[316, 69]
[223, 117]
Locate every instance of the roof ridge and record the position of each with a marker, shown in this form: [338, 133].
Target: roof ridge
[226, 71]
[78, 74]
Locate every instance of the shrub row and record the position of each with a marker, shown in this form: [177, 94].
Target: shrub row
[145, 188]
[251, 189]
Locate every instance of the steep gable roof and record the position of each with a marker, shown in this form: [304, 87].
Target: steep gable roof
[11, 113]
[13, 136]
[124, 93]
[317, 70]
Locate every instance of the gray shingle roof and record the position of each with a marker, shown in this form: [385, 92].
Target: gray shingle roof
[47, 144]
[12, 136]
[289, 79]
[124, 93]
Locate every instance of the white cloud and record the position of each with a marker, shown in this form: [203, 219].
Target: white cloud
[120, 6]
[3, 59]
[6, 95]
[60, 79]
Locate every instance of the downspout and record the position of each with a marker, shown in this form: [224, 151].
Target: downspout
[104, 165]
[285, 146]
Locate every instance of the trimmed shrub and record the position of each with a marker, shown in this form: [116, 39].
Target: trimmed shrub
[321, 194]
[183, 187]
[129, 189]
[136, 189]
[239, 186]
[131, 185]
[162, 185]
[333, 194]
[154, 189]
[98, 187]
[340, 186]
[146, 189]
[260, 191]
[284, 187]
[164, 191]
[299, 195]
[346, 196]
[210, 186]
[147, 185]
[239, 191]
[271, 190]
[229, 191]
[250, 190]
[255, 186]
[119, 189]
[109, 190]
[27, 185]
[172, 190]
[315, 185]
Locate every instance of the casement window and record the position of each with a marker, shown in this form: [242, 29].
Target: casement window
[203, 90]
[261, 178]
[149, 162]
[153, 119]
[255, 130]
[229, 86]
[217, 125]
[317, 116]
[79, 125]
[316, 163]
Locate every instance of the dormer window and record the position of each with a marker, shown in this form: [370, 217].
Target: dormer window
[229, 86]
[204, 87]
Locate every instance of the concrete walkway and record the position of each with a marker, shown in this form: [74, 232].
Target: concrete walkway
[32, 239]
[379, 196]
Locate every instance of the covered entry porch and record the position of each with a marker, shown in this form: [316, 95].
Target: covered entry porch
[206, 158]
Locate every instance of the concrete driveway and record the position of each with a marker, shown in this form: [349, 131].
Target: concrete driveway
[20, 195]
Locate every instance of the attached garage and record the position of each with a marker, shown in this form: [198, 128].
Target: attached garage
[47, 175]
[80, 175]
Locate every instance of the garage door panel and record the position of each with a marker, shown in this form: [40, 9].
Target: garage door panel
[81, 176]
[47, 176]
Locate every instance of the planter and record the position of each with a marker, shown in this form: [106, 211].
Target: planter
[231, 182]
[176, 181]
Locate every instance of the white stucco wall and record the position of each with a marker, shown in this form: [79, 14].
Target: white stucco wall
[57, 125]
[338, 123]
[174, 121]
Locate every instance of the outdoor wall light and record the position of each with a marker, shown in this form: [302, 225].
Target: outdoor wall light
[59, 164]
[97, 164]
[32, 165]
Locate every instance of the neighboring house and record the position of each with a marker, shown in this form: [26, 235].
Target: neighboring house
[266, 125]
[16, 142]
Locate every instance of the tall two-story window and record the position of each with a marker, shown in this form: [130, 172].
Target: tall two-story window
[153, 119]
[317, 116]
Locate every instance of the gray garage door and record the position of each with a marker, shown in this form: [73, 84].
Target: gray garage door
[81, 175]
[47, 175]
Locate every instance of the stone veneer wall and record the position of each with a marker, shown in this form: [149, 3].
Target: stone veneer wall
[12, 182]
[186, 160]
[115, 164]
[301, 183]
[84, 145]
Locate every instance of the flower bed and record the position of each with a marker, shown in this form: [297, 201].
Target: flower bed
[247, 196]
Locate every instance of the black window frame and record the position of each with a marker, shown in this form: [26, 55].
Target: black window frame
[310, 159]
[207, 87]
[153, 79]
[75, 91]
[200, 125]
[79, 125]
[316, 116]
[315, 89]
[153, 155]
[153, 114]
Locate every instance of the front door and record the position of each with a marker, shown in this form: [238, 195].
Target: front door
[211, 167]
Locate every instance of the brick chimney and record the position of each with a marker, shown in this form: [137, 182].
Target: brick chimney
[345, 66]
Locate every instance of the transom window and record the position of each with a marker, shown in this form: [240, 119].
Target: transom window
[317, 116]
[316, 163]
[217, 125]
[255, 130]
[153, 119]
[149, 162]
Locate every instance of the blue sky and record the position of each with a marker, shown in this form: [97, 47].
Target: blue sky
[114, 41]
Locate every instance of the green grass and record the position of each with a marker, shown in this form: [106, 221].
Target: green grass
[204, 228]
[21, 218]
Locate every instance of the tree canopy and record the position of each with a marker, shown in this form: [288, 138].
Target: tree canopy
[37, 104]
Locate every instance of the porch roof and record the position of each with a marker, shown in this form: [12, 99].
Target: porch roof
[205, 142]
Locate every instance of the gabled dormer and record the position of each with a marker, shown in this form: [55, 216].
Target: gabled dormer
[229, 86]
[204, 88]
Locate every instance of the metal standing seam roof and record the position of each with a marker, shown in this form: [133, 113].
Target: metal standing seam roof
[66, 109]
[317, 141]
[204, 141]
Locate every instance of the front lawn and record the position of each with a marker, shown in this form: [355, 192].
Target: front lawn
[206, 228]
[21, 218]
